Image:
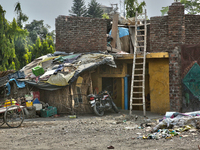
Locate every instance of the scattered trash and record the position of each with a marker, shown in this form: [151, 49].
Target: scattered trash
[110, 147]
[130, 128]
[56, 116]
[72, 116]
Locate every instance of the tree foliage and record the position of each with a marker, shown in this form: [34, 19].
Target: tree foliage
[105, 16]
[78, 9]
[94, 9]
[15, 49]
[37, 29]
[132, 6]
[42, 47]
[191, 7]
[7, 47]
[21, 17]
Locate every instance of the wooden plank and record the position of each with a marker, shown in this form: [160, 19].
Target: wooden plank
[132, 39]
[72, 96]
[114, 30]
[118, 42]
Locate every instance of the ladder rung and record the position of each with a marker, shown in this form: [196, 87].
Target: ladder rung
[137, 92]
[141, 41]
[138, 69]
[141, 30]
[137, 97]
[138, 80]
[140, 25]
[137, 104]
[137, 86]
[138, 74]
[138, 63]
[140, 35]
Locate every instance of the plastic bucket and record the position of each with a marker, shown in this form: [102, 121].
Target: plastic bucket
[29, 103]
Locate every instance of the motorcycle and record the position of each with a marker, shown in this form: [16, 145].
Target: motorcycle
[102, 102]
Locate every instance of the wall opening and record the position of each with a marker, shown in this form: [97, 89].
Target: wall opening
[114, 85]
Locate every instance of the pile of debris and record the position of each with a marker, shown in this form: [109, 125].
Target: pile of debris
[174, 124]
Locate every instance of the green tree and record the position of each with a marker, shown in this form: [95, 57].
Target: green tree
[42, 48]
[164, 10]
[20, 40]
[7, 47]
[105, 16]
[37, 29]
[132, 6]
[191, 7]
[20, 16]
[78, 9]
[94, 9]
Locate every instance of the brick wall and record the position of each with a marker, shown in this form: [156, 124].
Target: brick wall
[176, 37]
[159, 34]
[192, 29]
[80, 34]
[148, 38]
[167, 34]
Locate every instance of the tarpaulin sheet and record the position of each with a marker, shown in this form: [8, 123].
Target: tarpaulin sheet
[122, 32]
[60, 79]
[44, 86]
[67, 59]
[19, 85]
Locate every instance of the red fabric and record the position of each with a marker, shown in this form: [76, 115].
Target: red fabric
[36, 94]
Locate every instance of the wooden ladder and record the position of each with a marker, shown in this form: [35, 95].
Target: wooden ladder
[137, 95]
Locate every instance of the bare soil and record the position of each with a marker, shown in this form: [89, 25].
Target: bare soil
[89, 132]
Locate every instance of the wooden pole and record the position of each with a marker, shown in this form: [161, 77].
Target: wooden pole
[114, 30]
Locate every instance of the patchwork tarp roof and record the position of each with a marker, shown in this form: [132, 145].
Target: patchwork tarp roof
[62, 70]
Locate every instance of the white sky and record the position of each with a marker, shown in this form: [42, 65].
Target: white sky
[48, 10]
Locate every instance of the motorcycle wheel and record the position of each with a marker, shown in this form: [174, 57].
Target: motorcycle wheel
[115, 107]
[96, 109]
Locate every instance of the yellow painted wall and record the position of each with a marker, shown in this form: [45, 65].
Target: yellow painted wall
[159, 85]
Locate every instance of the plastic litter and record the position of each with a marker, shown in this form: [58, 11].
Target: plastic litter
[110, 147]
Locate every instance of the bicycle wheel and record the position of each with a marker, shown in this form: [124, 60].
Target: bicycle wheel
[14, 116]
[1, 120]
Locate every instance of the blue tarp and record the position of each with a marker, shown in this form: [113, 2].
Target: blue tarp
[122, 32]
[19, 84]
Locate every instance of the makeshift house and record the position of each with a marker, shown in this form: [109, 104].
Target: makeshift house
[64, 80]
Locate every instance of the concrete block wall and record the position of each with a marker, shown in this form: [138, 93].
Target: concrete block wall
[80, 34]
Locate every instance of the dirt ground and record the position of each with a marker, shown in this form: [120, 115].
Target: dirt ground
[89, 132]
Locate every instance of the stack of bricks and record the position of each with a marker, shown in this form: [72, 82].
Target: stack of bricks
[80, 34]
